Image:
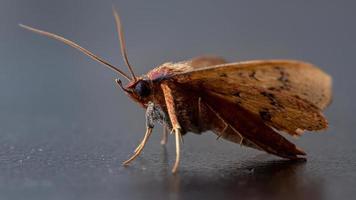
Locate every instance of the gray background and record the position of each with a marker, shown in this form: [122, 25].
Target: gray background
[65, 127]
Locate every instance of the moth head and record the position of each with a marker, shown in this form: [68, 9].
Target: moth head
[139, 90]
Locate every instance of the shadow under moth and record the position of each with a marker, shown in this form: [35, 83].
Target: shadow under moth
[249, 103]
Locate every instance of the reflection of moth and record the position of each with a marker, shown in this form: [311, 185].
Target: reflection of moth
[244, 102]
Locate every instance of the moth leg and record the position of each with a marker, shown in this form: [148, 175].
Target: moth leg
[140, 147]
[163, 139]
[223, 131]
[164, 135]
[226, 124]
[218, 116]
[178, 138]
[151, 116]
[167, 92]
[199, 107]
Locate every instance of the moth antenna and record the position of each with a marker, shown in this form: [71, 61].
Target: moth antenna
[118, 81]
[122, 41]
[76, 46]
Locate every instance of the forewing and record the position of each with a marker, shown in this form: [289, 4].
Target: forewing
[288, 95]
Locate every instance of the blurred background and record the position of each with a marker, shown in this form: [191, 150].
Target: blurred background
[65, 127]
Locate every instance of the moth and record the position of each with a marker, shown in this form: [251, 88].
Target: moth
[249, 103]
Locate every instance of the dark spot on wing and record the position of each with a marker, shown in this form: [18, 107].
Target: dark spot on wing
[253, 75]
[267, 94]
[223, 75]
[297, 96]
[284, 87]
[319, 100]
[272, 98]
[278, 68]
[283, 78]
[265, 114]
[274, 89]
[237, 94]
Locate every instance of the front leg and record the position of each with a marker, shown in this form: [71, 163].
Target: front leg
[152, 115]
[167, 92]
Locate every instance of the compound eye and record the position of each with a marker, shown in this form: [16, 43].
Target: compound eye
[142, 89]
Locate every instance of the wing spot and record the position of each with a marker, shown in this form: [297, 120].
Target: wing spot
[283, 78]
[278, 68]
[253, 75]
[274, 89]
[223, 75]
[284, 87]
[237, 94]
[272, 98]
[265, 114]
[268, 95]
[297, 96]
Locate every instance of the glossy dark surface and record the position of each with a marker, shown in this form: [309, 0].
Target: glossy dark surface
[65, 127]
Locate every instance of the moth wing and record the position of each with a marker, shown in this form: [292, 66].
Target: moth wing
[236, 124]
[288, 95]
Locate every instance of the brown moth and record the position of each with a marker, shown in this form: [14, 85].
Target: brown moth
[248, 103]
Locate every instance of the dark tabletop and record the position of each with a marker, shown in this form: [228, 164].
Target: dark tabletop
[65, 127]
